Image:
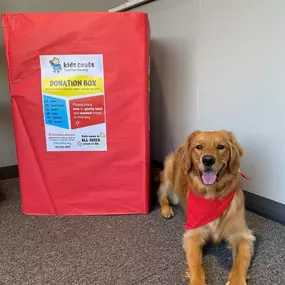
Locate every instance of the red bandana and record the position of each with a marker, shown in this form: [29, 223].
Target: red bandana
[201, 211]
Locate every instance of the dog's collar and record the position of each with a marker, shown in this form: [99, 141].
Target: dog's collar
[243, 175]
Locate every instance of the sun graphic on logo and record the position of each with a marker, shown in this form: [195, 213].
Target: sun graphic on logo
[79, 144]
[102, 135]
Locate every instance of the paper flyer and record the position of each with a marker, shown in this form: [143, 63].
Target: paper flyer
[74, 102]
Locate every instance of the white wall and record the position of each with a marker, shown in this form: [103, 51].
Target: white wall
[7, 146]
[221, 64]
[215, 64]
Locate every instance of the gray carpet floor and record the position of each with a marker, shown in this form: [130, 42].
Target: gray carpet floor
[118, 250]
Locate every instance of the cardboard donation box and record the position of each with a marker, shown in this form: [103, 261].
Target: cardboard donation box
[79, 91]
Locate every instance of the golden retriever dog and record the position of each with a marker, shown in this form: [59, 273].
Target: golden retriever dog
[204, 174]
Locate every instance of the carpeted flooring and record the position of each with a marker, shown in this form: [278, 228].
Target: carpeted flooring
[118, 250]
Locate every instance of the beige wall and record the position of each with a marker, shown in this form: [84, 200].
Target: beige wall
[7, 147]
[221, 64]
[173, 72]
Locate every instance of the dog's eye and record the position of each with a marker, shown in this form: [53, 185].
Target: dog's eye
[220, 146]
[199, 147]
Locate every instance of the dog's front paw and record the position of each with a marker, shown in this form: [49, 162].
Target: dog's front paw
[166, 211]
[197, 282]
[236, 281]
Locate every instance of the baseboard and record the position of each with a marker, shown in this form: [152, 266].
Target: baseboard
[262, 206]
[265, 207]
[9, 172]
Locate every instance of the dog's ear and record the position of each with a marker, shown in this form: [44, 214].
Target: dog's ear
[184, 152]
[236, 152]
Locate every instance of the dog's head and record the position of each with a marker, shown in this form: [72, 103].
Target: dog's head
[210, 155]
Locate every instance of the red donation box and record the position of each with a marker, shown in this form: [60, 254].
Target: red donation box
[79, 91]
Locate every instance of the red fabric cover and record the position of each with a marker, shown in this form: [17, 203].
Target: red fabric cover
[201, 211]
[115, 181]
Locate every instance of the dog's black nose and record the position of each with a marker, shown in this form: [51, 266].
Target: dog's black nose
[208, 160]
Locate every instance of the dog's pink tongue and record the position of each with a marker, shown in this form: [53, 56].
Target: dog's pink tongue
[209, 177]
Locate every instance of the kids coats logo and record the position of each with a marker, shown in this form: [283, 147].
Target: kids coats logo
[56, 65]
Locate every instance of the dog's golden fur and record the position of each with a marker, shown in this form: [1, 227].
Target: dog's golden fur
[182, 171]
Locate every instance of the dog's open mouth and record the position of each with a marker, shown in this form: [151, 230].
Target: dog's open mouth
[210, 177]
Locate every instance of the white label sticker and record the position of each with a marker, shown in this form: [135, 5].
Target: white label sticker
[73, 99]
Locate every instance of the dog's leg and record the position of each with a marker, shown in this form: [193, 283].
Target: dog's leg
[193, 248]
[163, 194]
[243, 252]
